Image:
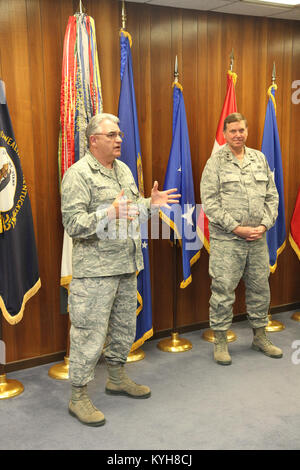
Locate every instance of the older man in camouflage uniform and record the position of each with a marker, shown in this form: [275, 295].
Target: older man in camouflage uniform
[100, 208]
[240, 199]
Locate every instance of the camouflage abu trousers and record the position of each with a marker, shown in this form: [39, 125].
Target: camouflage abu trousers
[229, 261]
[103, 317]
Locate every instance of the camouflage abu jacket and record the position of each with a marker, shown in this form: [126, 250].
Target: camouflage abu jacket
[101, 247]
[238, 193]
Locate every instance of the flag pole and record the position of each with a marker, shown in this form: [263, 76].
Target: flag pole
[61, 371]
[124, 17]
[175, 344]
[8, 388]
[231, 60]
[274, 325]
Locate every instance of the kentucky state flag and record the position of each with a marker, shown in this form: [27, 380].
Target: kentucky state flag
[19, 274]
[131, 155]
[271, 149]
[182, 217]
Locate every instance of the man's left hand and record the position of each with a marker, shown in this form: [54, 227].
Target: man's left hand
[257, 233]
[164, 198]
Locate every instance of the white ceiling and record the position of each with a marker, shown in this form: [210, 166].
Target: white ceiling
[236, 7]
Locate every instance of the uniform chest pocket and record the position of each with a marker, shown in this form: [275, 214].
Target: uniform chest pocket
[261, 181]
[229, 182]
[102, 197]
[131, 191]
[106, 193]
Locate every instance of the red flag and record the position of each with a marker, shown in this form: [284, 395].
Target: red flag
[294, 236]
[229, 107]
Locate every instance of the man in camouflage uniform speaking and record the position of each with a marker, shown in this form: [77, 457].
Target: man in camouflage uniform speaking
[240, 200]
[101, 207]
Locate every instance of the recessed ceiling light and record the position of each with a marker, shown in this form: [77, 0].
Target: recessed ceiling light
[284, 3]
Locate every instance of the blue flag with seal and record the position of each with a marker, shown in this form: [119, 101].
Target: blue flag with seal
[182, 217]
[19, 274]
[131, 155]
[276, 236]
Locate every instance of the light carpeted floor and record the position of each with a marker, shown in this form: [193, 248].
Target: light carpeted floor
[195, 403]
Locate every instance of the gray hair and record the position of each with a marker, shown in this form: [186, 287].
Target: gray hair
[95, 123]
[234, 117]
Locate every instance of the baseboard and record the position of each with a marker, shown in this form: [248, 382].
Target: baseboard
[59, 356]
[236, 318]
[34, 361]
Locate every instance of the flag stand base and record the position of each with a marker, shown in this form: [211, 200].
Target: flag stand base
[9, 388]
[296, 316]
[60, 371]
[274, 325]
[175, 344]
[209, 335]
[136, 355]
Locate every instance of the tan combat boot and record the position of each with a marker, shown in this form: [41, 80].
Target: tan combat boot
[263, 344]
[221, 354]
[118, 383]
[83, 409]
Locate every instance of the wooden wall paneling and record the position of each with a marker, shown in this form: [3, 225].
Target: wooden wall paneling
[52, 51]
[33, 31]
[143, 92]
[278, 279]
[19, 339]
[177, 43]
[187, 307]
[162, 64]
[231, 41]
[216, 76]
[7, 75]
[201, 280]
[107, 16]
[294, 161]
[202, 101]
[285, 111]
[44, 323]
[251, 79]
[285, 129]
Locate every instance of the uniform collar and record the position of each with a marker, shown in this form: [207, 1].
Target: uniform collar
[249, 155]
[96, 165]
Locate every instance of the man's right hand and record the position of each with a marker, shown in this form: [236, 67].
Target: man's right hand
[122, 208]
[249, 233]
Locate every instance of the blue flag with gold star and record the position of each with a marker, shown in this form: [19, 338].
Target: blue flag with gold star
[131, 155]
[182, 217]
[276, 236]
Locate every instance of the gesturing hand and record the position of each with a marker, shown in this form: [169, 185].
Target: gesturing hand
[164, 198]
[122, 208]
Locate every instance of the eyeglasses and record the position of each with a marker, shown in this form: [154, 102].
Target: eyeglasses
[112, 135]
